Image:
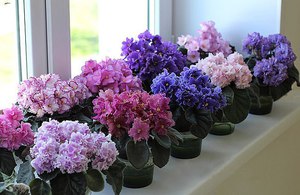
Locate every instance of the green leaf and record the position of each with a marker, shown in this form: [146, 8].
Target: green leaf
[7, 162]
[114, 176]
[94, 180]
[137, 153]
[48, 176]
[163, 140]
[286, 86]
[6, 192]
[174, 135]
[69, 184]
[39, 187]
[25, 173]
[229, 94]
[176, 112]
[201, 122]
[239, 109]
[160, 154]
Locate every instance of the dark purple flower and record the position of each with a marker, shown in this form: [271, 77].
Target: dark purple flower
[191, 89]
[252, 42]
[149, 55]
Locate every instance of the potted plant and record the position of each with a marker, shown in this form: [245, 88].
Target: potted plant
[69, 157]
[272, 62]
[140, 125]
[193, 99]
[233, 76]
[16, 137]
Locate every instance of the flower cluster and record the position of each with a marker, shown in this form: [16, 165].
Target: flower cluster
[13, 132]
[133, 113]
[209, 40]
[70, 146]
[109, 74]
[48, 94]
[224, 71]
[149, 55]
[191, 89]
[273, 54]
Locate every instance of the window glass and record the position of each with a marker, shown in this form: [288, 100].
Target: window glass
[99, 27]
[9, 68]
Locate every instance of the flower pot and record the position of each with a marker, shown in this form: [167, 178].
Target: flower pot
[264, 103]
[138, 178]
[189, 148]
[222, 128]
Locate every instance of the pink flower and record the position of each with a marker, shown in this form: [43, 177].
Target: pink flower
[224, 71]
[139, 130]
[14, 115]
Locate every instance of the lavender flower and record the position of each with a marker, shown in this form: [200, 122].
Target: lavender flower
[274, 56]
[70, 146]
[271, 72]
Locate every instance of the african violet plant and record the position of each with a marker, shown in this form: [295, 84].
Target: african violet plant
[193, 99]
[272, 62]
[16, 137]
[138, 122]
[233, 76]
[71, 158]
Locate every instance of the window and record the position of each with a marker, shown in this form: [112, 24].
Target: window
[99, 27]
[9, 55]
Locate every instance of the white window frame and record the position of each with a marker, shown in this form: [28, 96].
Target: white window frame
[47, 29]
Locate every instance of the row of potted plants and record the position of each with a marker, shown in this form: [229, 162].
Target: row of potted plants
[120, 117]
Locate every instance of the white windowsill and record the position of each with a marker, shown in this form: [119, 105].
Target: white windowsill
[221, 155]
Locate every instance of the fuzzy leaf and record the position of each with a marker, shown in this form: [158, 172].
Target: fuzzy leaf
[163, 140]
[7, 162]
[229, 94]
[39, 187]
[48, 176]
[160, 154]
[239, 109]
[25, 174]
[137, 153]
[94, 180]
[201, 122]
[114, 176]
[175, 136]
[70, 184]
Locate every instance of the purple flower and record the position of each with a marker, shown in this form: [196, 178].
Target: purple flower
[148, 55]
[191, 89]
[270, 71]
[252, 42]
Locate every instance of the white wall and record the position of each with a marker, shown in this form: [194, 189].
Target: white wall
[290, 25]
[234, 18]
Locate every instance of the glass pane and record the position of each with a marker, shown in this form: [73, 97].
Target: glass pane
[9, 69]
[99, 27]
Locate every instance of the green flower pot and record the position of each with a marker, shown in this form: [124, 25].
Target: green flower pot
[138, 178]
[189, 148]
[265, 104]
[222, 128]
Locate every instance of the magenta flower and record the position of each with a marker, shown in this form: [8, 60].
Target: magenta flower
[109, 74]
[133, 113]
[13, 132]
[139, 130]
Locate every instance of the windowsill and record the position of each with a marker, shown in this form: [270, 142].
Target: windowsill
[222, 155]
